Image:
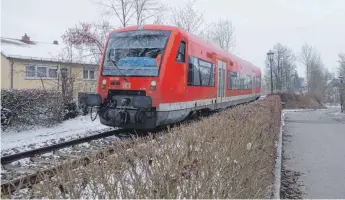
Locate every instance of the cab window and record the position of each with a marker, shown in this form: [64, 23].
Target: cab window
[181, 53]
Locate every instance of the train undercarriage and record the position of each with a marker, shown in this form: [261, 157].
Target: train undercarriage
[133, 109]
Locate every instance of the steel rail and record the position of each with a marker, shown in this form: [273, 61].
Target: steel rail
[14, 157]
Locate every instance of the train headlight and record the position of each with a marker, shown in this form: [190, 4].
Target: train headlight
[153, 83]
[104, 81]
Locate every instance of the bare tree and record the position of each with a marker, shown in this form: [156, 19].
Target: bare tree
[283, 69]
[128, 10]
[123, 10]
[316, 73]
[317, 78]
[342, 73]
[72, 81]
[307, 56]
[341, 64]
[188, 18]
[146, 9]
[222, 34]
[88, 38]
[65, 78]
[159, 19]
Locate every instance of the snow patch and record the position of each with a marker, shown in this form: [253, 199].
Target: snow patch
[15, 48]
[278, 165]
[302, 110]
[40, 136]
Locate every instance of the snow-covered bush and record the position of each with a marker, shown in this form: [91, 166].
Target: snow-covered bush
[20, 108]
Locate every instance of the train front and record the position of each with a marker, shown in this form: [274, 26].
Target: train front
[128, 84]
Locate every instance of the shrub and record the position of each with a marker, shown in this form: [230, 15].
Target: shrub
[300, 101]
[227, 155]
[20, 108]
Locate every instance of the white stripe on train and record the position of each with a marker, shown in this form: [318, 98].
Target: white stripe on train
[203, 102]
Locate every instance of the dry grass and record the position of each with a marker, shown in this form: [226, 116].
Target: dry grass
[300, 101]
[227, 155]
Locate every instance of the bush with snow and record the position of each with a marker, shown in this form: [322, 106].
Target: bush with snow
[25, 107]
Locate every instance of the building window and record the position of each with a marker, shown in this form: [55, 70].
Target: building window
[200, 72]
[52, 72]
[92, 74]
[30, 71]
[89, 73]
[40, 71]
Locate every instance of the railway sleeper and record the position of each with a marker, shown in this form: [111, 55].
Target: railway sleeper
[67, 155]
[110, 139]
[88, 150]
[11, 167]
[15, 171]
[43, 161]
[26, 171]
[93, 143]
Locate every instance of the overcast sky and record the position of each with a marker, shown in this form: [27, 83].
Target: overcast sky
[259, 24]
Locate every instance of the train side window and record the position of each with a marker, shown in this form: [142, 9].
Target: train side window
[232, 80]
[200, 72]
[194, 76]
[181, 53]
[190, 74]
[229, 80]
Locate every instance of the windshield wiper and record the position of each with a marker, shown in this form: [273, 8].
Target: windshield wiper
[115, 65]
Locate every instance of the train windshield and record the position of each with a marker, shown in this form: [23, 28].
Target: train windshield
[135, 53]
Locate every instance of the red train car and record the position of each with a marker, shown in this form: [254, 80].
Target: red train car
[154, 75]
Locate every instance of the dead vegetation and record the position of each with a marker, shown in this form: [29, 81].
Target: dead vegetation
[300, 101]
[228, 155]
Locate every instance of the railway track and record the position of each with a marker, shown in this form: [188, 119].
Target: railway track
[28, 168]
[14, 157]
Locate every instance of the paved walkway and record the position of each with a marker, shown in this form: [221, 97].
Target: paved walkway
[314, 144]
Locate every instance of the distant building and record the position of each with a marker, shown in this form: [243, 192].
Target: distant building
[332, 94]
[27, 64]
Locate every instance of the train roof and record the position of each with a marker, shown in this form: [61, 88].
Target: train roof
[196, 39]
[221, 51]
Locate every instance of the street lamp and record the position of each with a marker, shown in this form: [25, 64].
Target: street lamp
[341, 94]
[270, 58]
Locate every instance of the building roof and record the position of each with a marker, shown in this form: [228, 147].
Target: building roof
[41, 51]
[333, 83]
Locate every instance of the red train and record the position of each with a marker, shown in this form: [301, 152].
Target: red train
[155, 75]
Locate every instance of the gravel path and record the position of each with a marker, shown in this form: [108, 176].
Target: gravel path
[314, 154]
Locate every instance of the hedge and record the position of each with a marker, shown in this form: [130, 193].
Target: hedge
[20, 108]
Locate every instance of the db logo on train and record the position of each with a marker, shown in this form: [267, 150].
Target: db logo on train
[126, 85]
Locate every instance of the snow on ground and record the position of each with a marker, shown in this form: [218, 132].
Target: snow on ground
[14, 142]
[262, 96]
[278, 164]
[328, 105]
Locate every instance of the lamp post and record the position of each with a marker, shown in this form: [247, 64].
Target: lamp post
[341, 93]
[270, 58]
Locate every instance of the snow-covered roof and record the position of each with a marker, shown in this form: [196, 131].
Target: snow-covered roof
[329, 81]
[16, 48]
[333, 83]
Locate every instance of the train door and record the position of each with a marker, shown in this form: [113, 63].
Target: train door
[221, 82]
